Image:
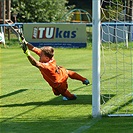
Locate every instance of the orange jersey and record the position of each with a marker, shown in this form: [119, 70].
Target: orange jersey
[52, 73]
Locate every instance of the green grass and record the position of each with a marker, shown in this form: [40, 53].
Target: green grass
[29, 106]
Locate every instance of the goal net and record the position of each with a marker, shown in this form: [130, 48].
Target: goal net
[116, 58]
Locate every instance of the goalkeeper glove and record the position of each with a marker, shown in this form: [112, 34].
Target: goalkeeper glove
[24, 47]
[22, 39]
[26, 51]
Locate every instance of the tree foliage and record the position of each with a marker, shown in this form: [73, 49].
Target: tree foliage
[39, 10]
[115, 10]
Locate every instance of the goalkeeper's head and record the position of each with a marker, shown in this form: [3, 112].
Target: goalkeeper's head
[48, 51]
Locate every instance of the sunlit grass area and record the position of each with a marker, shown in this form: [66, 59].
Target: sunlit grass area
[29, 105]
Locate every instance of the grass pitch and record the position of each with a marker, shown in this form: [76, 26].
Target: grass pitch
[29, 106]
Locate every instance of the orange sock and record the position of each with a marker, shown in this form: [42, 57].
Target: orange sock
[68, 95]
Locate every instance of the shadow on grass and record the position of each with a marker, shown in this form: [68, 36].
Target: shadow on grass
[45, 125]
[13, 93]
[81, 87]
[82, 99]
[77, 124]
[113, 77]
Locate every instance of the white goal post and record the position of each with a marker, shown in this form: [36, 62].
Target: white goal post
[112, 66]
[96, 59]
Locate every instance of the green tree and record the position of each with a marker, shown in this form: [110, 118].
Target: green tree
[39, 10]
[115, 8]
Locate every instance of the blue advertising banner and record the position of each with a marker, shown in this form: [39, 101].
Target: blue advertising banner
[56, 34]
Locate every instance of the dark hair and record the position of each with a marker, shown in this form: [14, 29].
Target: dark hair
[48, 51]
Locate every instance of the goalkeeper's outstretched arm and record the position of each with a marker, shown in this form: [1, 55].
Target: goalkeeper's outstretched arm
[31, 59]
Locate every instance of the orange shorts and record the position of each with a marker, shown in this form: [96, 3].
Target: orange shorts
[61, 89]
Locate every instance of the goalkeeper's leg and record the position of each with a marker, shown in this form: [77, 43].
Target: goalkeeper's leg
[74, 75]
[62, 89]
[68, 96]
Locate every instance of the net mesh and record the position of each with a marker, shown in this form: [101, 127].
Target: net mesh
[116, 58]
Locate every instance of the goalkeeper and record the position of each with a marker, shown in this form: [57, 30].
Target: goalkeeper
[55, 75]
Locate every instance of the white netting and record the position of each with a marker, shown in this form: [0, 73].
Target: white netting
[117, 57]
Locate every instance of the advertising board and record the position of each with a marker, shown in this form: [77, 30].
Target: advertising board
[56, 34]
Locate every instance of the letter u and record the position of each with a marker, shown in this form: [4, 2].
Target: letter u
[49, 33]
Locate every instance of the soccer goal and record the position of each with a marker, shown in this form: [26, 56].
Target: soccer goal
[112, 40]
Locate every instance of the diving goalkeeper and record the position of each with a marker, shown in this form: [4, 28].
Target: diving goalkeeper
[55, 75]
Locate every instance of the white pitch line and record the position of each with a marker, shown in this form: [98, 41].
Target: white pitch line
[87, 126]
